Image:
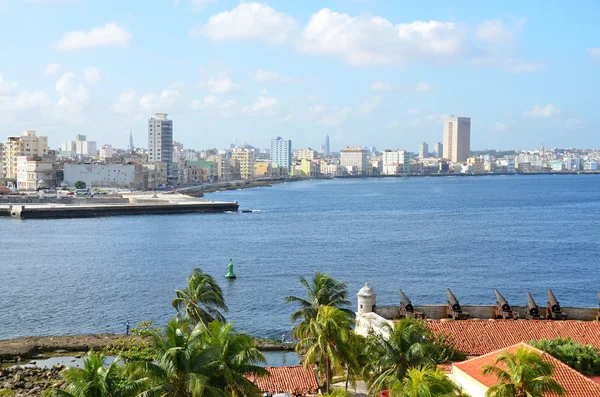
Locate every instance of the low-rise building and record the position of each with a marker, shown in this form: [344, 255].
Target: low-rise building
[26, 144]
[107, 152]
[475, 165]
[34, 173]
[246, 159]
[133, 176]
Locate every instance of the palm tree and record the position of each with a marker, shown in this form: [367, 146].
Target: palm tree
[424, 382]
[523, 373]
[235, 357]
[326, 341]
[408, 346]
[323, 290]
[201, 299]
[97, 380]
[182, 365]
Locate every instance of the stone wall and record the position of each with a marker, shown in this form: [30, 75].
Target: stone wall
[437, 312]
[65, 200]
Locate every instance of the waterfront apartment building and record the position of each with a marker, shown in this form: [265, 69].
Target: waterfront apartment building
[354, 159]
[27, 144]
[423, 150]
[281, 152]
[33, 172]
[245, 158]
[438, 150]
[457, 138]
[308, 154]
[160, 142]
[393, 160]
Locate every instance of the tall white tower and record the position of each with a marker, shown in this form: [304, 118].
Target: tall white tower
[457, 138]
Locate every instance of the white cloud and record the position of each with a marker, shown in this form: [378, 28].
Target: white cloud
[154, 102]
[510, 65]
[109, 35]
[500, 127]
[381, 86]
[212, 102]
[494, 31]
[594, 52]
[52, 69]
[393, 124]
[126, 102]
[575, 124]
[24, 100]
[369, 105]
[249, 21]
[542, 112]
[424, 87]
[336, 118]
[199, 5]
[428, 120]
[414, 111]
[312, 98]
[6, 87]
[92, 75]
[368, 40]
[265, 75]
[263, 104]
[176, 85]
[220, 84]
[73, 96]
[518, 67]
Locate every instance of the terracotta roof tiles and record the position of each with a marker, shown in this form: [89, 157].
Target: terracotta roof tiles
[295, 380]
[574, 383]
[477, 337]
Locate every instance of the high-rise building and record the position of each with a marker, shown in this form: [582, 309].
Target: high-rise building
[396, 158]
[27, 144]
[80, 147]
[438, 150]
[160, 142]
[327, 148]
[245, 158]
[423, 150]
[457, 138]
[281, 152]
[354, 158]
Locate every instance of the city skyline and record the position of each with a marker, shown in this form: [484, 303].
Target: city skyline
[525, 74]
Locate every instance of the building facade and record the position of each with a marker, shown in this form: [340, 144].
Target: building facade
[160, 142]
[308, 154]
[106, 152]
[423, 150]
[327, 150]
[27, 144]
[281, 152]
[457, 138]
[395, 161]
[34, 172]
[354, 159]
[438, 150]
[133, 176]
[245, 159]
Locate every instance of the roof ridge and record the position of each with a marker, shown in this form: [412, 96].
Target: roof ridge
[495, 352]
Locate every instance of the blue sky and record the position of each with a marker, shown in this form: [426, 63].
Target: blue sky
[366, 72]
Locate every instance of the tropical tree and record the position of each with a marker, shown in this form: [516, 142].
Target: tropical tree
[409, 345]
[523, 373]
[326, 342]
[583, 358]
[235, 357]
[201, 300]
[96, 379]
[80, 185]
[322, 290]
[424, 382]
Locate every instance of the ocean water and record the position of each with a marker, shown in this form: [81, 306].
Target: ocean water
[472, 234]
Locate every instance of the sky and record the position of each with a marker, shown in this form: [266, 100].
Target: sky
[366, 72]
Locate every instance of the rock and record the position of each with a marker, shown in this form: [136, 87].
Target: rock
[60, 351]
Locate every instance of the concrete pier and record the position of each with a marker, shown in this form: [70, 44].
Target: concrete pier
[137, 205]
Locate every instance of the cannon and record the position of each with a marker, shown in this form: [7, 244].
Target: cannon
[406, 307]
[453, 310]
[553, 310]
[503, 309]
[532, 312]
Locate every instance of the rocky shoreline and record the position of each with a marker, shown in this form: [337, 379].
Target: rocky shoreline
[29, 381]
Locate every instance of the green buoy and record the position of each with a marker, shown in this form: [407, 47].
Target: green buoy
[230, 274]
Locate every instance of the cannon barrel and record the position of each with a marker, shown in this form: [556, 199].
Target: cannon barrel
[501, 301]
[405, 302]
[532, 308]
[553, 302]
[452, 301]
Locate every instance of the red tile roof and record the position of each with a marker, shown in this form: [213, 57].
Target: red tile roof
[295, 380]
[574, 383]
[477, 337]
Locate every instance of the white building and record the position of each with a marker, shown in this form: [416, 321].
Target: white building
[80, 148]
[281, 152]
[327, 148]
[160, 142]
[107, 152]
[457, 138]
[33, 173]
[308, 154]
[423, 150]
[354, 159]
[395, 158]
[100, 175]
[438, 150]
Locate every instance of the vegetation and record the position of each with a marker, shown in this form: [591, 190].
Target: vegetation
[323, 290]
[523, 373]
[137, 346]
[424, 382]
[583, 358]
[97, 379]
[80, 185]
[201, 300]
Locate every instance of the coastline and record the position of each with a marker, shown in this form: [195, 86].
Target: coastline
[35, 347]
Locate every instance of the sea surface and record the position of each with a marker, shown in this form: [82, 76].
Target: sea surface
[472, 234]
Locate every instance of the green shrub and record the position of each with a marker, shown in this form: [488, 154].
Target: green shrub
[583, 358]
